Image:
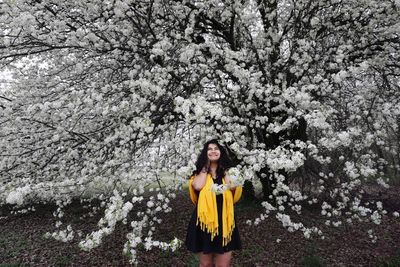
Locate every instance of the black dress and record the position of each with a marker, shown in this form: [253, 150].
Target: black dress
[200, 241]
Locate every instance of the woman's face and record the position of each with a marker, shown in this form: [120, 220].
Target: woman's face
[213, 152]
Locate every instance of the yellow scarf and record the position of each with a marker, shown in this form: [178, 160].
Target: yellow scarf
[207, 213]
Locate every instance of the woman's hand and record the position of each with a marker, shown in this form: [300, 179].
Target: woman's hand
[206, 168]
[200, 179]
[228, 181]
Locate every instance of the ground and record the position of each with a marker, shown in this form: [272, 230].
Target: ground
[22, 242]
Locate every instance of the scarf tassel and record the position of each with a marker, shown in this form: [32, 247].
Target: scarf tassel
[212, 229]
[228, 238]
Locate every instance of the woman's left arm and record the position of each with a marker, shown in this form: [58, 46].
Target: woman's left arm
[236, 190]
[228, 182]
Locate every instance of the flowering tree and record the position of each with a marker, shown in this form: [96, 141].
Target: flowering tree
[107, 96]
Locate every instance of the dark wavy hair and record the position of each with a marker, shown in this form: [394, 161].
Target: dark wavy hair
[224, 161]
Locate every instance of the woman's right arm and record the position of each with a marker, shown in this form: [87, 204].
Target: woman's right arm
[200, 180]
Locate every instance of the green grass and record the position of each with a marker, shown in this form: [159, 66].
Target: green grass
[252, 251]
[312, 259]
[193, 261]
[63, 260]
[390, 261]
[165, 258]
[16, 244]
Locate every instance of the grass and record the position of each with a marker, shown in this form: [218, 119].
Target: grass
[193, 261]
[165, 258]
[15, 243]
[312, 259]
[253, 251]
[393, 261]
[63, 260]
[21, 241]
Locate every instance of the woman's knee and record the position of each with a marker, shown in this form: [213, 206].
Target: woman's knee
[206, 260]
[223, 264]
[223, 260]
[206, 263]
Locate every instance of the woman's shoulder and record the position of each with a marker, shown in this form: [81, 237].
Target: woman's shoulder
[191, 176]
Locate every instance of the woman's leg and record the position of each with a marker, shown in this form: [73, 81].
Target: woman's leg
[206, 260]
[223, 260]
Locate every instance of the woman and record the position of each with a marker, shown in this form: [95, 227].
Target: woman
[212, 232]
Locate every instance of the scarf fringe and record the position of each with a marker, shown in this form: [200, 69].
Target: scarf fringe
[227, 239]
[208, 228]
[214, 231]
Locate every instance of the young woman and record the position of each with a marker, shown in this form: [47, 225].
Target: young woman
[212, 232]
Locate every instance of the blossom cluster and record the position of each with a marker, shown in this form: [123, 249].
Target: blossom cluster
[17, 196]
[148, 220]
[117, 210]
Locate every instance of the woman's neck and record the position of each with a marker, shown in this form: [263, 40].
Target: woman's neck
[213, 166]
[213, 169]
